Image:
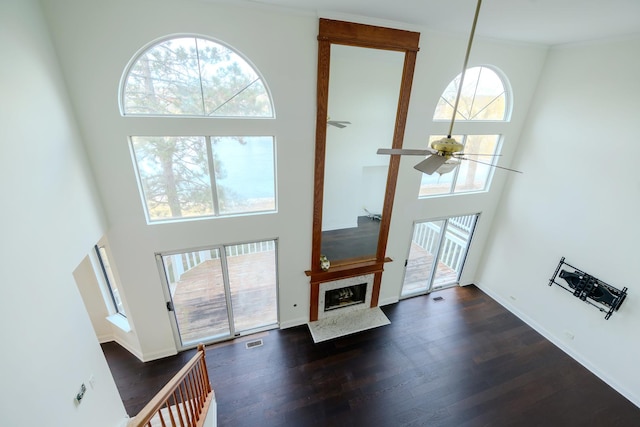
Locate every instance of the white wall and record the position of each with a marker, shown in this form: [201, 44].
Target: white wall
[93, 299]
[95, 41]
[50, 220]
[579, 198]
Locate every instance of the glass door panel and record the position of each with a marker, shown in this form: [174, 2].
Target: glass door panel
[422, 255]
[221, 292]
[436, 258]
[196, 286]
[252, 281]
[454, 250]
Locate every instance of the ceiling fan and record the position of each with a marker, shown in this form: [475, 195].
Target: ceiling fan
[337, 123]
[445, 153]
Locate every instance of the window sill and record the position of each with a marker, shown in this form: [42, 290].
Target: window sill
[120, 321]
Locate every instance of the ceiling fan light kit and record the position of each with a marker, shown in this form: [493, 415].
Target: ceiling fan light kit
[447, 166]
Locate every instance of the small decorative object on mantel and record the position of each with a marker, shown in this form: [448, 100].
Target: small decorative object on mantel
[589, 289]
[324, 263]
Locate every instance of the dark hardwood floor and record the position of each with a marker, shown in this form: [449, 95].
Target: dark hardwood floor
[352, 242]
[461, 361]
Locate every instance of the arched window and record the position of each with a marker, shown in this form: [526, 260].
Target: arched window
[185, 176]
[484, 98]
[192, 76]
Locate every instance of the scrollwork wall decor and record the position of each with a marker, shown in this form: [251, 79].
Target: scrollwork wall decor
[589, 289]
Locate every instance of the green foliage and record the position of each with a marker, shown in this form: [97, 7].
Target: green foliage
[189, 76]
[175, 176]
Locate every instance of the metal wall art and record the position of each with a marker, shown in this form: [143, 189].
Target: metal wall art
[589, 289]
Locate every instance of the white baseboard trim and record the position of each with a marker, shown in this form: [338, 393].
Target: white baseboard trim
[105, 338]
[294, 322]
[124, 422]
[558, 343]
[387, 301]
[130, 349]
[148, 357]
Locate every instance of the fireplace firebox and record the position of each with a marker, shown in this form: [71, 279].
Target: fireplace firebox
[344, 297]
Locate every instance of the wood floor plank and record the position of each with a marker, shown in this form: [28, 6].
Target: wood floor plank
[462, 361]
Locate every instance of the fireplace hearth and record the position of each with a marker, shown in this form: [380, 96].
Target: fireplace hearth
[353, 297]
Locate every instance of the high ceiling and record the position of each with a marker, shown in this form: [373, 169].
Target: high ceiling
[547, 22]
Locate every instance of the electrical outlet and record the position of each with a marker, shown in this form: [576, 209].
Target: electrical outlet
[569, 335]
[92, 381]
[81, 393]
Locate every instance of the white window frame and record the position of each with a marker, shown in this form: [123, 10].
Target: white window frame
[134, 59]
[189, 125]
[476, 127]
[109, 281]
[213, 187]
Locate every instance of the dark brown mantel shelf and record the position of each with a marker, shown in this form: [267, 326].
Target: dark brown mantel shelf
[345, 270]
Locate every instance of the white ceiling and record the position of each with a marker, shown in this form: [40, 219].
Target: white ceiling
[547, 22]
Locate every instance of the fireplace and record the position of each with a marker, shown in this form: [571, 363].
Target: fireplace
[344, 297]
[345, 306]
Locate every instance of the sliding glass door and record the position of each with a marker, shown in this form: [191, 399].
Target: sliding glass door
[221, 292]
[251, 270]
[437, 254]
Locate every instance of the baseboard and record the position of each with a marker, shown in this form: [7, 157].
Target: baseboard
[148, 357]
[387, 301]
[130, 349]
[558, 343]
[105, 338]
[293, 323]
[124, 422]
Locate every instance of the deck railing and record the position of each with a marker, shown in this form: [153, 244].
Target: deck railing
[178, 264]
[464, 223]
[184, 401]
[427, 236]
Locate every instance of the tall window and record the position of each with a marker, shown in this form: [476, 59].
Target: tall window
[485, 106]
[112, 286]
[186, 177]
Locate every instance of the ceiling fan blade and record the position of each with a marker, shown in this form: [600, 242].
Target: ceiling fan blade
[489, 164]
[430, 164]
[338, 123]
[404, 151]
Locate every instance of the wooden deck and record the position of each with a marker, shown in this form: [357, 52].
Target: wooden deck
[200, 302]
[418, 270]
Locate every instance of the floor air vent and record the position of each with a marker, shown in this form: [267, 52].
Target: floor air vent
[438, 299]
[255, 343]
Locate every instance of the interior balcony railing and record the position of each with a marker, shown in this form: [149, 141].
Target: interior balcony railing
[186, 401]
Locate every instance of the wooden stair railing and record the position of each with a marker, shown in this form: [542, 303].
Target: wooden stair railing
[184, 401]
